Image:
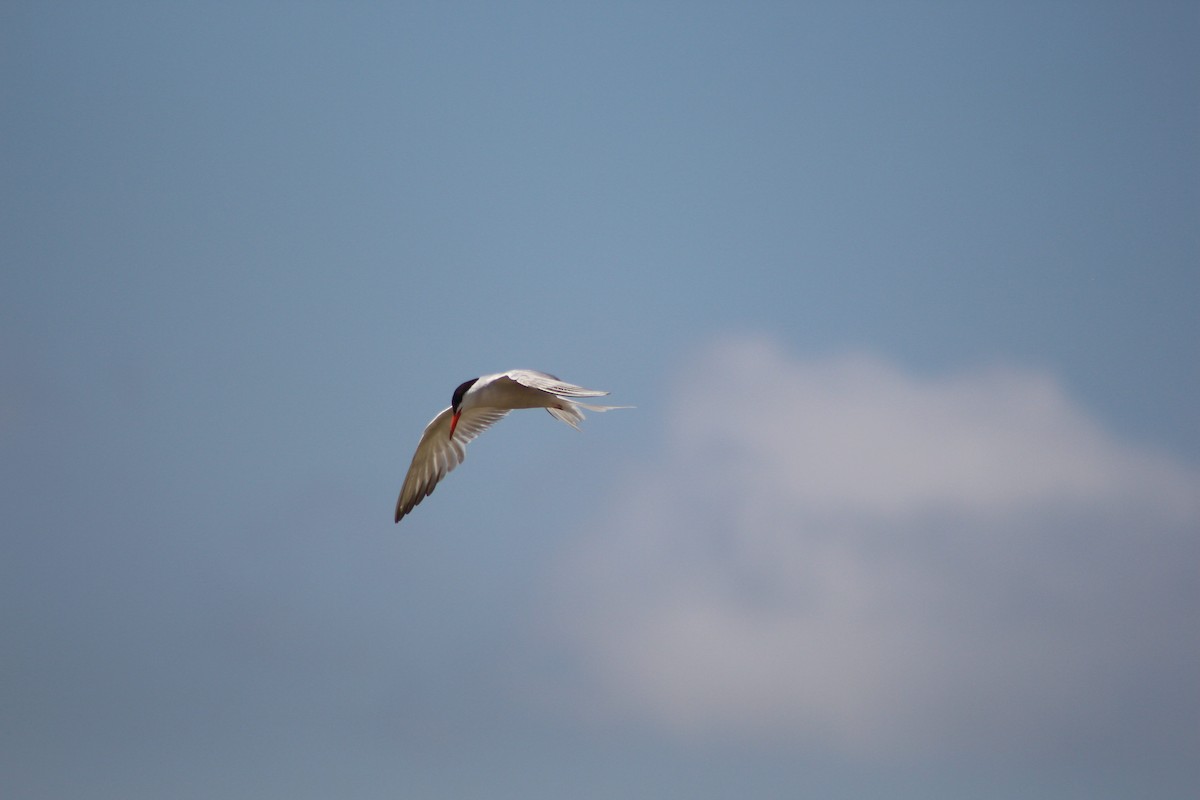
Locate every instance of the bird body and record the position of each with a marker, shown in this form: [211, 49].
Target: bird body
[476, 405]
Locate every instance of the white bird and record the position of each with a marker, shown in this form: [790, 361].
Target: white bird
[474, 407]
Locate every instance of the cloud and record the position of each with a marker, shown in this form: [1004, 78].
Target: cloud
[842, 553]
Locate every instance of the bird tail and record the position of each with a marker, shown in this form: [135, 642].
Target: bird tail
[571, 414]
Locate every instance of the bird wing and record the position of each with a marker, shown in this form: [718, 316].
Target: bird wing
[545, 382]
[438, 454]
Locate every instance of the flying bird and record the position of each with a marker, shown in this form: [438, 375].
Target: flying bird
[474, 407]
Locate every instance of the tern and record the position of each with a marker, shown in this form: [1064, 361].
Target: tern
[474, 407]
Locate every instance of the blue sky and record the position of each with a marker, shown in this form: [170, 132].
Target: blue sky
[905, 296]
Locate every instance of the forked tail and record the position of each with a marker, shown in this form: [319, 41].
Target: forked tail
[570, 413]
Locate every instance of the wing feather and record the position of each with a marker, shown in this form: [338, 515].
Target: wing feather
[437, 455]
[545, 382]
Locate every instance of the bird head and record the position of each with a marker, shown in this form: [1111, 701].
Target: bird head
[456, 401]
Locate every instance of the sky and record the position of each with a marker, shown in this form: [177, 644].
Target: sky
[904, 296]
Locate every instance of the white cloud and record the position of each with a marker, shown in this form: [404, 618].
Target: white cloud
[842, 553]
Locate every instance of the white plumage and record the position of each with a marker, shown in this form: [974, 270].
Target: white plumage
[475, 406]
